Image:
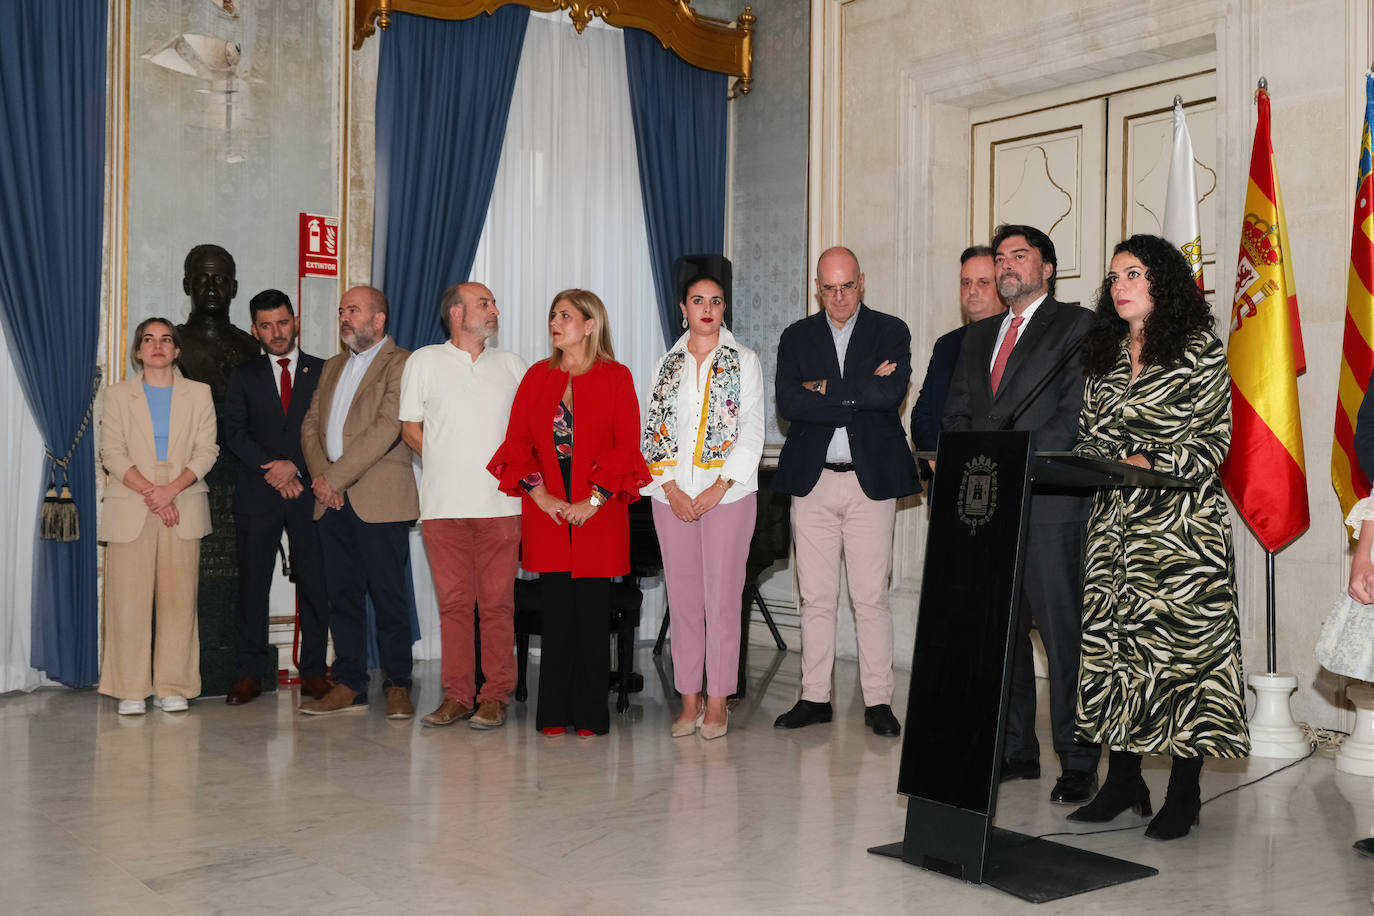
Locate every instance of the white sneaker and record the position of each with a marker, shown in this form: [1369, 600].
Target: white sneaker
[172, 703]
[132, 707]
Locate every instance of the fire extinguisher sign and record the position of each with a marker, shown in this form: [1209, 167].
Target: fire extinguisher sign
[319, 245]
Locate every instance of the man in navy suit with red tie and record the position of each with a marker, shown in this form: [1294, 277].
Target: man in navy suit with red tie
[266, 401]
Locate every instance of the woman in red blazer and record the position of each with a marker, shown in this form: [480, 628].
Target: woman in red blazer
[572, 451]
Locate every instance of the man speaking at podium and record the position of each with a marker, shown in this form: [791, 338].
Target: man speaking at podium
[1020, 371]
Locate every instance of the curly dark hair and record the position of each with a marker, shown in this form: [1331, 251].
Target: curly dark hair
[1179, 309]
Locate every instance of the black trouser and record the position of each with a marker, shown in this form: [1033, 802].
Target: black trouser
[367, 559]
[259, 535]
[1052, 593]
[575, 653]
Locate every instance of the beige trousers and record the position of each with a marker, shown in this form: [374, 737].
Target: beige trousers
[837, 518]
[151, 580]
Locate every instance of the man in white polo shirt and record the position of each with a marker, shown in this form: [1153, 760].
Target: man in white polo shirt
[455, 402]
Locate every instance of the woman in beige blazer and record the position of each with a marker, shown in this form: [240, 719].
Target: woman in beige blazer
[157, 445]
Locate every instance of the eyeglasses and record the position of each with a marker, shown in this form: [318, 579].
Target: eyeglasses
[830, 291]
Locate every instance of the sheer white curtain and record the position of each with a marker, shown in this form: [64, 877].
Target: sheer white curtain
[565, 212]
[20, 501]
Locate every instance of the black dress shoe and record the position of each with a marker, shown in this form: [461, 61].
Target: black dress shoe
[1074, 787]
[1364, 847]
[882, 721]
[803, 714]
[245, 690]
[1028, 768]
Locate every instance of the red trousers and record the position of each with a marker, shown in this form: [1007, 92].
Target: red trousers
[473, 561]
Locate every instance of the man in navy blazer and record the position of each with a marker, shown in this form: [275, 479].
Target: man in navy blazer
[978, 299]
[1004, 359]
[841, 379]
[266, 401]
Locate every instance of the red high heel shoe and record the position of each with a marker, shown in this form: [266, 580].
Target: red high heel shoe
[553, 731]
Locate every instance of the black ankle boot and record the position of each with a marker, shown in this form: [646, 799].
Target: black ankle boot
[1122, 789]
[1179, 812]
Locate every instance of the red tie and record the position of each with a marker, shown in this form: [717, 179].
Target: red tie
[286, 382]
[999, 365]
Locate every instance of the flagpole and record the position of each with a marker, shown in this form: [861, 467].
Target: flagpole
[1270, 617]
[1267, 483]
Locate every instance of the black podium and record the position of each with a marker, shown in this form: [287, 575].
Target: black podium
[961, 668]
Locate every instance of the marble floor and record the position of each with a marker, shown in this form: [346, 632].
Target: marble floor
[259, 809]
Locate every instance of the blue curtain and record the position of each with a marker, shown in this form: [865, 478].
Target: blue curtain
[52, 146]
[443, 96]
[680, 134]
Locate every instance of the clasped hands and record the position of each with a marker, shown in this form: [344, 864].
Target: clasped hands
[282, 476]
[560, 510]
[328, 497]
[160, 501]
[688, 509]
[885, 368]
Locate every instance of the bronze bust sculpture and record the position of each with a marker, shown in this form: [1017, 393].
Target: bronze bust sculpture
[211, 345]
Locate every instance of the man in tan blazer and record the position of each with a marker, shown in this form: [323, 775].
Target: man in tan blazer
[365, 501]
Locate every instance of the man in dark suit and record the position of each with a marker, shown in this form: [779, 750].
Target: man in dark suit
[978, 299]
[1002, 361]
[842, 375]
[365, 501]
[266, 400]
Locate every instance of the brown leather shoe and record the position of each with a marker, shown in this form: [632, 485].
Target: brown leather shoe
[449, 711]
[245, 690]
[398, 705]
[338, 699]
[490, 714]
[316, 687]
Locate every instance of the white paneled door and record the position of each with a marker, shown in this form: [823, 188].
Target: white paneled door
[1091, 171]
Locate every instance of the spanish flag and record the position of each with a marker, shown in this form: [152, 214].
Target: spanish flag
[1265, 472]
[1357, 354]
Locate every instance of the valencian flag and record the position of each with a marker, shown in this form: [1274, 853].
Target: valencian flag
[1265, 472]
[1181, 225]
[1357, 354]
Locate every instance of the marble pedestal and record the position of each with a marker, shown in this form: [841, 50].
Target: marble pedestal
[1273, 732]
[1357, 751]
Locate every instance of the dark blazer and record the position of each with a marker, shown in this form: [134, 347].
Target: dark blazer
[929, 409]
[257, 431]
[1052, 417]
[866, 405]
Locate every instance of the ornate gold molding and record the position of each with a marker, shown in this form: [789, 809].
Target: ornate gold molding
[712, 44]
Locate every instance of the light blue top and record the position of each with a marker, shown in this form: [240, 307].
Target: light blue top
[160, 409]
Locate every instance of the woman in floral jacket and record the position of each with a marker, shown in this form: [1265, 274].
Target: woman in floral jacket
[703, 437]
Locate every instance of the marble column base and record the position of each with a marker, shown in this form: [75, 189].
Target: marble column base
[1273, 732]
[1357, 751]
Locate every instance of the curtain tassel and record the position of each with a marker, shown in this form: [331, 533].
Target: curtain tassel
[59, 520]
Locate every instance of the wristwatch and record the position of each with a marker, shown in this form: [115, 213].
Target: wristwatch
[725, 482]
[596, 499]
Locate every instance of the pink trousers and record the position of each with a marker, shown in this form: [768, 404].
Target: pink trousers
[837, 518]
[703, 568]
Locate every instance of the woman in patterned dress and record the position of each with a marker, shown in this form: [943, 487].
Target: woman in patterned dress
[702, 439]
[1160, 669]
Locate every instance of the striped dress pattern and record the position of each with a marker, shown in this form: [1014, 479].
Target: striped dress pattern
[1160, 669]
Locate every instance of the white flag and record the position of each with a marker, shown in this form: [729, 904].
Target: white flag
[1181, 224]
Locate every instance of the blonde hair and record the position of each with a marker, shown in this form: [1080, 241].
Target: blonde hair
[589, 304]
[138, 338]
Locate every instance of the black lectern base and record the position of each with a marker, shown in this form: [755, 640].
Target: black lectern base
[1038, 870]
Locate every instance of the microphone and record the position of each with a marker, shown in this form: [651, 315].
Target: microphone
[1009, 421]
